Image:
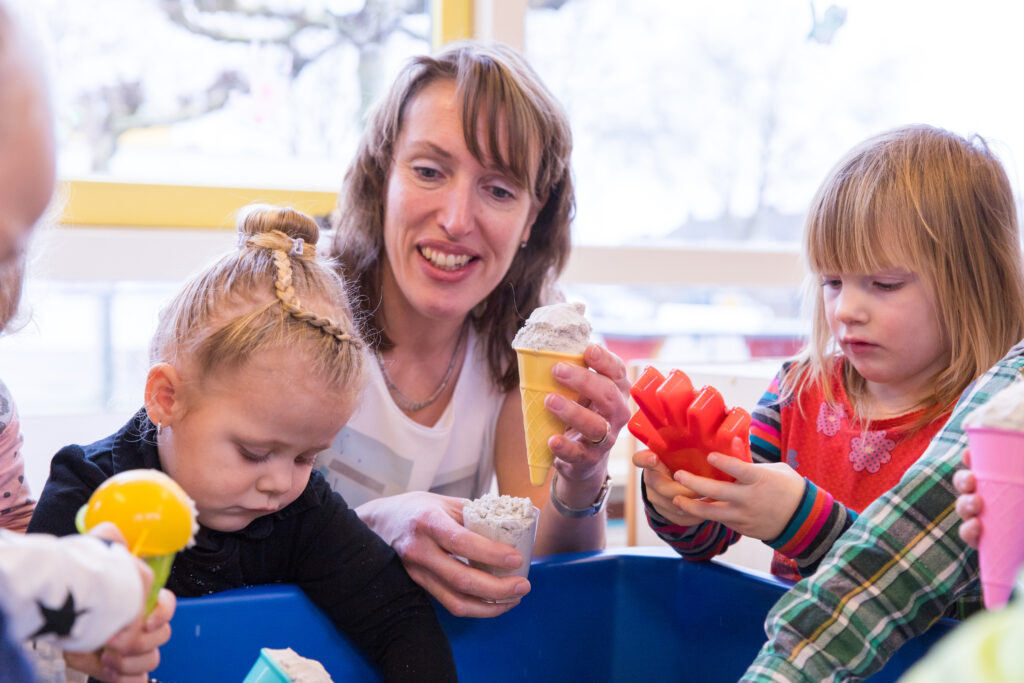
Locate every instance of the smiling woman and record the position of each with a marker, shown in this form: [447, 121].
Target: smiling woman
[454, 224]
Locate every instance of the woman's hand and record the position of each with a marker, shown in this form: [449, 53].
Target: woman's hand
[594, 421]
[968, 504]
[426, 530]
[758, 504]
[662, 489]
[132, 652]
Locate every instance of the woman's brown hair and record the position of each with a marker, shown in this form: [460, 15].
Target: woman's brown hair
[493, 82]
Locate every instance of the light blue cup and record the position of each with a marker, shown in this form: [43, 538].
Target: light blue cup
[265, 670]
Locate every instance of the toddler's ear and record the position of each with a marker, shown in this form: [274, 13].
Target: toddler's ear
[162, 386]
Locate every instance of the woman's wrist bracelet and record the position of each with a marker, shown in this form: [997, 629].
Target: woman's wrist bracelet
[575, 513]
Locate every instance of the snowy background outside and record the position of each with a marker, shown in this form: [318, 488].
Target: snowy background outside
[694, 123]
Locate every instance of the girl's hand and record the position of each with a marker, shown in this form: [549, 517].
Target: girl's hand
[758, 504]
[968, 504]
[426, 531]
[594, 421]
[662, 489]
[132, 652]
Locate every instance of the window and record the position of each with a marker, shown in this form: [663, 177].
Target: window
[228, 93]
[711, 121]
[709, 125]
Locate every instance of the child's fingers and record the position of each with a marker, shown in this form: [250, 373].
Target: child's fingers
[162, 612]
[970, 532]
[704, 487]
[742, 472]
[967, 458]
[662, 488]
[657, 477]
[713, 510]
[645, 459]
[122, 666]
[968, 506]
[964, 482]
[108, 532]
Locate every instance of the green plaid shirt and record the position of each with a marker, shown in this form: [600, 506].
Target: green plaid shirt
[897, 570]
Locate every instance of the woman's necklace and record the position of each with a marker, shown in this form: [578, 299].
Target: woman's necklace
[405, 403]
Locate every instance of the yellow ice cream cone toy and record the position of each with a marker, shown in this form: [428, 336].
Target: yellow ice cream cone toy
[535, 383]
[153, 513]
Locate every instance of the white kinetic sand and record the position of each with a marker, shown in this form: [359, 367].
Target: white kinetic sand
[1004, 410]
[505, 519]
[559, 327]
[298, 668]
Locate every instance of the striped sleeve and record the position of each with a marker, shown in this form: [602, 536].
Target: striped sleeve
[766, 425]
[814, 527]
[819, 519]
[696, 543]
[899, 568]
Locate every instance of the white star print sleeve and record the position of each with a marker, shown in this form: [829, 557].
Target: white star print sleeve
[76, 591]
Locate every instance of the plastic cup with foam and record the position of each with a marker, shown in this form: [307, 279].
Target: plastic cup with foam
[286, 666]
[505, 519]
[996, 435]
[552, 334]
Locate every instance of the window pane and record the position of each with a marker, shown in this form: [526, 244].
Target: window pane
[702, 121]
[253, 94]
[84, 347]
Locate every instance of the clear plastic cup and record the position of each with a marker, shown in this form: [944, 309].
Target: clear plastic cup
[518, 532]
[266, 670]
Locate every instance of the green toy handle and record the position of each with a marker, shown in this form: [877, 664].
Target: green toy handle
[161, 566]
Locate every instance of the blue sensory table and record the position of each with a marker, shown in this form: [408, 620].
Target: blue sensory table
[625, 615]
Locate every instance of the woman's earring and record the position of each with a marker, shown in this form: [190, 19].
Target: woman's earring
[522, 245]
[159, 428]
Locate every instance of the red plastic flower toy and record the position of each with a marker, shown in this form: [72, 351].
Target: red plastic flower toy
[682, 425]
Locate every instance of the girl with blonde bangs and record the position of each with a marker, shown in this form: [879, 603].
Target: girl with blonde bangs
[918, 288]
[256, 367]
[942, 206]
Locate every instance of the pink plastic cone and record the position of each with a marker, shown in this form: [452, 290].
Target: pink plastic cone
[997, 460]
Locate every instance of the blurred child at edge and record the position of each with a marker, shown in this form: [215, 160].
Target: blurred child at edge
[913, 242]
[41, 577]
[256, 366]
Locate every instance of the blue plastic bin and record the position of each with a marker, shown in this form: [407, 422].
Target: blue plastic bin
[629, 615]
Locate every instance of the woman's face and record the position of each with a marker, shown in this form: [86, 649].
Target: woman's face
[452, 225]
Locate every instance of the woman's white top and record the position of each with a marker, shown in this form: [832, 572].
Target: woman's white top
[381, 452]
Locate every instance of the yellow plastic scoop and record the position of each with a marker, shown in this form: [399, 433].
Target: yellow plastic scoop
[155, 515]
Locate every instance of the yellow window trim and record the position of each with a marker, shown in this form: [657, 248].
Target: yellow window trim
[119, 204]
[451, 20]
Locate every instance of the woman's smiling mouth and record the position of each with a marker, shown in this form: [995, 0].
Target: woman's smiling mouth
[444, 261]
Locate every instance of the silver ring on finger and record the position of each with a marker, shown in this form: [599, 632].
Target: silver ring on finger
[607, 431]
